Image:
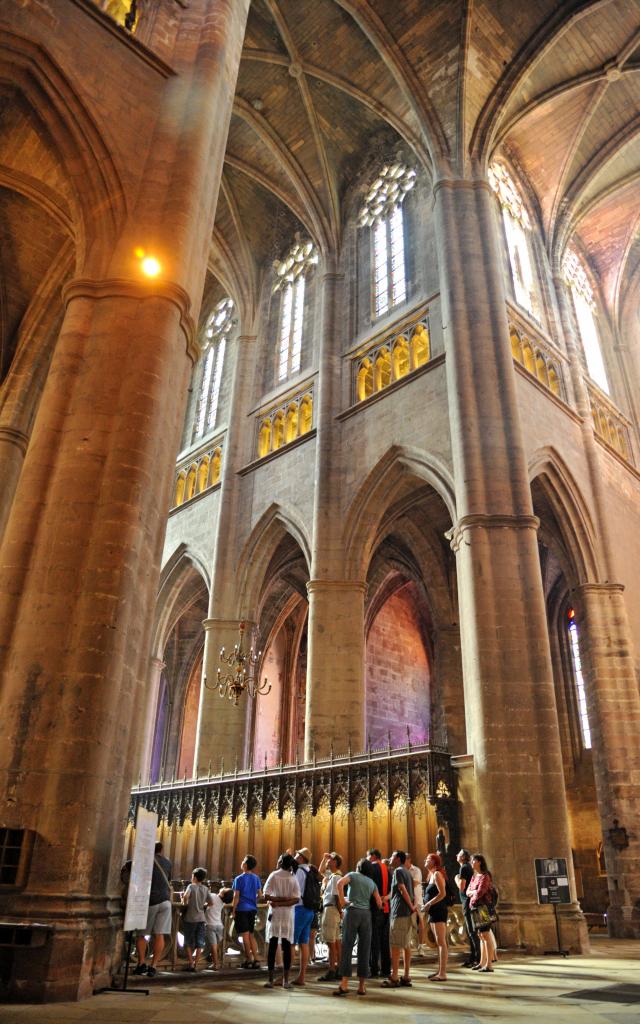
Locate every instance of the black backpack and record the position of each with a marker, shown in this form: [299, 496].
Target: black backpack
[311, 898]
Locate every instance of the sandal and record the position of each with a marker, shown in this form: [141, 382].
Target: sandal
[254, 965]
[406, 982]
[341, 992]
[359, 993]
[390, 983]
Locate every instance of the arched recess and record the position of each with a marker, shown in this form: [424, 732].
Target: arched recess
[568, 558]
[171, 714]
[97, 196]
[398, 542]
[393, 478]
[261, 545]
[274, 571]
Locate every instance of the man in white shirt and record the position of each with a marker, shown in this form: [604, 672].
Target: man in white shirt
[416, 877]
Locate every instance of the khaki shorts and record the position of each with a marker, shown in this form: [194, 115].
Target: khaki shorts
[330, 924]
[400, 932]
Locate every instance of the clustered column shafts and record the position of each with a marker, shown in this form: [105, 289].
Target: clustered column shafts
[80, 558]
[512, 726]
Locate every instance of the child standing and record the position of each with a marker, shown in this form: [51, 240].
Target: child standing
[195, 899]
[214, 927]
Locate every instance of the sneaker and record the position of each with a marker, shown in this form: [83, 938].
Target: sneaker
[141, 969]
[151, 972]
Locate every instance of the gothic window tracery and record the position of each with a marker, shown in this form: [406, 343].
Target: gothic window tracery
[517, 229]
[382, 212]
[291, 275]
[584, 305]
[216, 332]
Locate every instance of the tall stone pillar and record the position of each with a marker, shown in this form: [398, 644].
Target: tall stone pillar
[222, 727]
[80, 558]
[512, 726]
[335, 704]
[613, 700]
[613, 705]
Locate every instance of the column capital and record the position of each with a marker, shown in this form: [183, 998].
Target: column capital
[453, 184]
[125, 288]
[16, 437]
[484, 521]
[336, 586]
[214, 623]
[599, 588]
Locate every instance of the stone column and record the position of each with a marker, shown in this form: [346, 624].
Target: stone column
[447, 701]
[149, 719]
[335, 699]
[13, 448]
[512, 725]
[613, 699]
[335, 710]
[79, 563]
[222, 727]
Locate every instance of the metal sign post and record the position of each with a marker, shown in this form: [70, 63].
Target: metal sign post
[552, 881]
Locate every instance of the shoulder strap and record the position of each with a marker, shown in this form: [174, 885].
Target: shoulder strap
[162, 871]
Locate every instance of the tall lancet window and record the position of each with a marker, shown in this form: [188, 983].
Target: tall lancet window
[576, 665]
[517, 229]
[217, 330]
[291, 275]
[585, 308]
[382, 212]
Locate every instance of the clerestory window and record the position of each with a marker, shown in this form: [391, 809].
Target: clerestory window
[382, 212]
[216, 332]
[291, 275]
[584, 305]
[517, 229]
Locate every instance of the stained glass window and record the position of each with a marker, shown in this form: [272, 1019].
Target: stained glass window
[291, 275]
[517, 229]
[217, 330]
[584, 305]
[382, 212]
[576, 663]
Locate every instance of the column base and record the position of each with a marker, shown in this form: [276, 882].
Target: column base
[532, 927]
[623, 922]
[76, 955]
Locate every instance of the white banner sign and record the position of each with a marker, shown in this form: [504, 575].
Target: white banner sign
[141, 870]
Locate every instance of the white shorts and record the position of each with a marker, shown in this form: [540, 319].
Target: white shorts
[159, 919]
[214, 933]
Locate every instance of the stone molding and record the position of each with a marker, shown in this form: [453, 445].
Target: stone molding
[15, 437]
[226, 624]
[599, 588]
[462, 183]
[339, 586]
[484, 521]
[123, 288]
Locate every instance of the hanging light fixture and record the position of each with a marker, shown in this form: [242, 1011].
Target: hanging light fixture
[242, 676]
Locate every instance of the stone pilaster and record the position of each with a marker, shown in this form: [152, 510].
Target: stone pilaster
[335, 709]
[512, 726]
[149, 718]
[613, 705]
[222, 733]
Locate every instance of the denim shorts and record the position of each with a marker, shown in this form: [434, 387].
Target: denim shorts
[302, 921]
[194, 934]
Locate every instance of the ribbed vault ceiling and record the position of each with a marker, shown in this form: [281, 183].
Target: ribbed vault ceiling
[328, 87]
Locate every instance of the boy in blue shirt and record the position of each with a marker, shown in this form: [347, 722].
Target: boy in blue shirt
[246, 890]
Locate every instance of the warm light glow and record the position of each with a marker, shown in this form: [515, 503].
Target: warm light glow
[138, 253]
[150, 266]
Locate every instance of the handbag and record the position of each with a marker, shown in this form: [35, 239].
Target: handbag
[483, 915]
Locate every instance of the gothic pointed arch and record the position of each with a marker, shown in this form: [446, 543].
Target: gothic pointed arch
[271, 529]
[551, 477]
[98, 197]
[396, 474]
[183, 573]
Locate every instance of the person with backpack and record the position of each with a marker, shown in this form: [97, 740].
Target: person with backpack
[437, 902]
[308, 906]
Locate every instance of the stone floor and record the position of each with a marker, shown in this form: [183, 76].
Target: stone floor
[602, 987]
